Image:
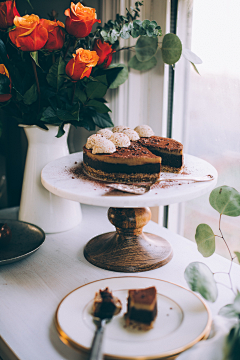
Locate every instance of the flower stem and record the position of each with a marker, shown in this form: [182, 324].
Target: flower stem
[68, 46]
[73, 93]
[37, 82]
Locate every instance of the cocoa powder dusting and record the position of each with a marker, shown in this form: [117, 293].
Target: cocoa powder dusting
[79, 173]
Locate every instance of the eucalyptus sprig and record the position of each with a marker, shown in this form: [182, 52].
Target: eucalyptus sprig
[225, 200]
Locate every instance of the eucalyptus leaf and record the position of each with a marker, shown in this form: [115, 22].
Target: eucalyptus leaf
[195, 68]
[146, 23]
[134, 33]
[121, 76]
[200, 279]
[205, 240]
[96, 89]
[142, 65]
[226, 200]
[99, 106]
[146, 48]
[56, 72]
[228, 311]
[31, 95]
[171, 49]
[231, 348]
[238, 255]
[190, 56]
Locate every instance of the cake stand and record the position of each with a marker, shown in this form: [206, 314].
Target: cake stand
[127, 249]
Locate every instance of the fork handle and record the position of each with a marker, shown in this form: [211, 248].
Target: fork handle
[96, 348]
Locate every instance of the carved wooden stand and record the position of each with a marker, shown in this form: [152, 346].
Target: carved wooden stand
[128, 249]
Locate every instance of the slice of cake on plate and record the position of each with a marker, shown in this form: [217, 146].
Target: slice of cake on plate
[141, 308]
[105, 305]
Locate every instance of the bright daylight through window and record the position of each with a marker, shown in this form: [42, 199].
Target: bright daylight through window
[214, 110]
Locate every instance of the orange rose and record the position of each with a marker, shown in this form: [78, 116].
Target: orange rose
[29, 34]
[56, 34]
[81, 64]
[104, 51]
[5, 97]
[8, 11]
[80, 20]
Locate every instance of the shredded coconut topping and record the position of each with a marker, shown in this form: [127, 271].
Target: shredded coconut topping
[120, 128]
[132, 134]
[103, 146]
[92, 139]
[105, 132]
[120, 140]
[144, 131]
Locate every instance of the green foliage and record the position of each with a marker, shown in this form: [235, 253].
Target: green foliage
[232, 344]
[200, 279]
[205, 240]
[238, 255]
[226, 200]
[4, 84]
[31, 95]
[171, 49]
[121, 77]
[142, 65]
[56, 74]
[146, 47]
[99, 106]
[96, 89]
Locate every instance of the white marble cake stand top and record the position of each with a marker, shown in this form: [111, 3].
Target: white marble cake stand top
[58, 177]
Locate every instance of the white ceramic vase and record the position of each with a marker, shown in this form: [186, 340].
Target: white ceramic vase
[38, 206]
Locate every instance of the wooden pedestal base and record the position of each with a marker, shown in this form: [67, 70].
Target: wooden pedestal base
[128, 249]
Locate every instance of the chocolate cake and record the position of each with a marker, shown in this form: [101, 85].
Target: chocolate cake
[127, 164]
[106, 305]
[142, 308]
[171, 152]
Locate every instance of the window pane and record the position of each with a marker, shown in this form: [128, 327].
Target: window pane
[214, 110]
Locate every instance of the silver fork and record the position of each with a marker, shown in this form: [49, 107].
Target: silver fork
[96, 347]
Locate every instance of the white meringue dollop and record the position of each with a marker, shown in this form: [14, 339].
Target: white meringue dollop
[103, 146]
[144, 130]
[132, 134]
[107, 133]
[120, 128]
[92, 139]
[120, 140]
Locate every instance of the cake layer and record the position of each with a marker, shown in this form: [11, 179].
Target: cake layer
[142, 316]
[166, 144]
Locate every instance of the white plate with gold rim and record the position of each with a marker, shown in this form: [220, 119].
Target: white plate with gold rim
[183, 319]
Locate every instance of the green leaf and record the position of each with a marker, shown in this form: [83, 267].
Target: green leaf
[195, 68]
[80, 95]
[228, 311]
[121, 77]
[31, 95]
[102, 79]
[205, 239]
[49, 116]
[171, 49]
[142, 65]
[231, 348]
[124, 33]
[134, 33]
[99, 106]
[238, 255]
[146, 23]
[96, 89]
[200, 279]
[236, 303]
[102, 120]
[61, 131]
[226, 200]
[56, 72]
[4, 85]
[65, 115]
[190, 56]
[34, 56]
[137, 24]
[146, 48]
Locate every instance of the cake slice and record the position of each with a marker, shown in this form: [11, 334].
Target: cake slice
[170, 150]
[132, 164]
[105, 305]
[142, 308]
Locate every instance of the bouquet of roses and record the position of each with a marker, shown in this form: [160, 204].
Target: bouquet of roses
[51, 73]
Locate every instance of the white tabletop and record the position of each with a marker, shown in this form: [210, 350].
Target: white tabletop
[31, 289]
[60, 178]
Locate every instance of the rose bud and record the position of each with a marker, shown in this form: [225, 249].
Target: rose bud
[8, 11]
[80, 20]
[81, 64]
[29, 34]
[56, 34]
[5, 97]
[104, 51]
